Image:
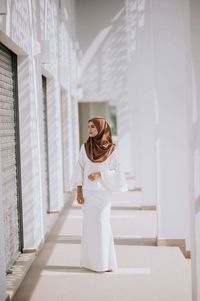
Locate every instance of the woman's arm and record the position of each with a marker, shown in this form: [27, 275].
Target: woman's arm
[77, 177]
[112, 176]
[79, 195]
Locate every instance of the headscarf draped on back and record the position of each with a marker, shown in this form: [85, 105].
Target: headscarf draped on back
[100, 147]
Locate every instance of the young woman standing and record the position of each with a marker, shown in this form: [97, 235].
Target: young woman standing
[97, 174]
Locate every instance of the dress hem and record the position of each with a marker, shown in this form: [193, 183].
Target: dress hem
[97, 270]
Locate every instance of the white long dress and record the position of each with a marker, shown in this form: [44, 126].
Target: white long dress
[97, 246]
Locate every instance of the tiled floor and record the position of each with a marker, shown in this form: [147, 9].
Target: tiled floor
[146, 273]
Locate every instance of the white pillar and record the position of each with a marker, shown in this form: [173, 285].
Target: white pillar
[135, 122]
[65, 141]
[29, 151]
[172, 140]
[70, 138]
[55, 146]
[141, 100]
[146, 98]
[194, 121]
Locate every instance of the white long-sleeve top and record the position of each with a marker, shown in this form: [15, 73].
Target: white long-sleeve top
[112, 178]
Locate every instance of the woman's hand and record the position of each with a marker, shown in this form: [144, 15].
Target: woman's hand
[94, 175]
[79, 195]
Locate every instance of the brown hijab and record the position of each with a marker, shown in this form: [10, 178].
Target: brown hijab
[100, 147]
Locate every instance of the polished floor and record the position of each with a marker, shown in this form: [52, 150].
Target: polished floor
[146, 272]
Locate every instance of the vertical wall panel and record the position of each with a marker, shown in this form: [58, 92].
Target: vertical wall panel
[46, 157]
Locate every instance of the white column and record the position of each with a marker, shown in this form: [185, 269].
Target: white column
[65, 141]
[2, 246]
[70, 139]
[141, 100]
[76, 122]
[125, 137]
[194, 121]
[172, 140]
[135, 122]
[54, 145]
[70, 149]
[29, 149]
[146, 99]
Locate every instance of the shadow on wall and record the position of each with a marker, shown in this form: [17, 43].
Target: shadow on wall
[107, 56]
[19, 23]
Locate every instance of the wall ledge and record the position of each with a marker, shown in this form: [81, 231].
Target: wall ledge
[180, 243]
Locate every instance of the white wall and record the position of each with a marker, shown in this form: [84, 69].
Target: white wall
[42, 34]
[135, 57]
[194, 133]
[171, 85]
[141, 96]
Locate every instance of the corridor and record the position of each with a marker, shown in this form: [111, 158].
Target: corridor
[146, 272]
[136, 63]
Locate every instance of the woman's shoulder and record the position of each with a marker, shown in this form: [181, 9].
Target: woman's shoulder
[115, 149]
[82, 149]
[114, 152]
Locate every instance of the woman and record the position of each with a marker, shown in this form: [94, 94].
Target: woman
[96, 175]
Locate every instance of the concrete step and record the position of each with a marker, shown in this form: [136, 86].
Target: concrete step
[141, 224]
[125, 223]
[144, 274]
[118, 240]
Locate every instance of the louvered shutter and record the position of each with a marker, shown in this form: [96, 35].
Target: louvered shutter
[9, 152]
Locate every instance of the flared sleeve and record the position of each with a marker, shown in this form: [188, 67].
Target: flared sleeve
[113, 177]
[77, 176]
